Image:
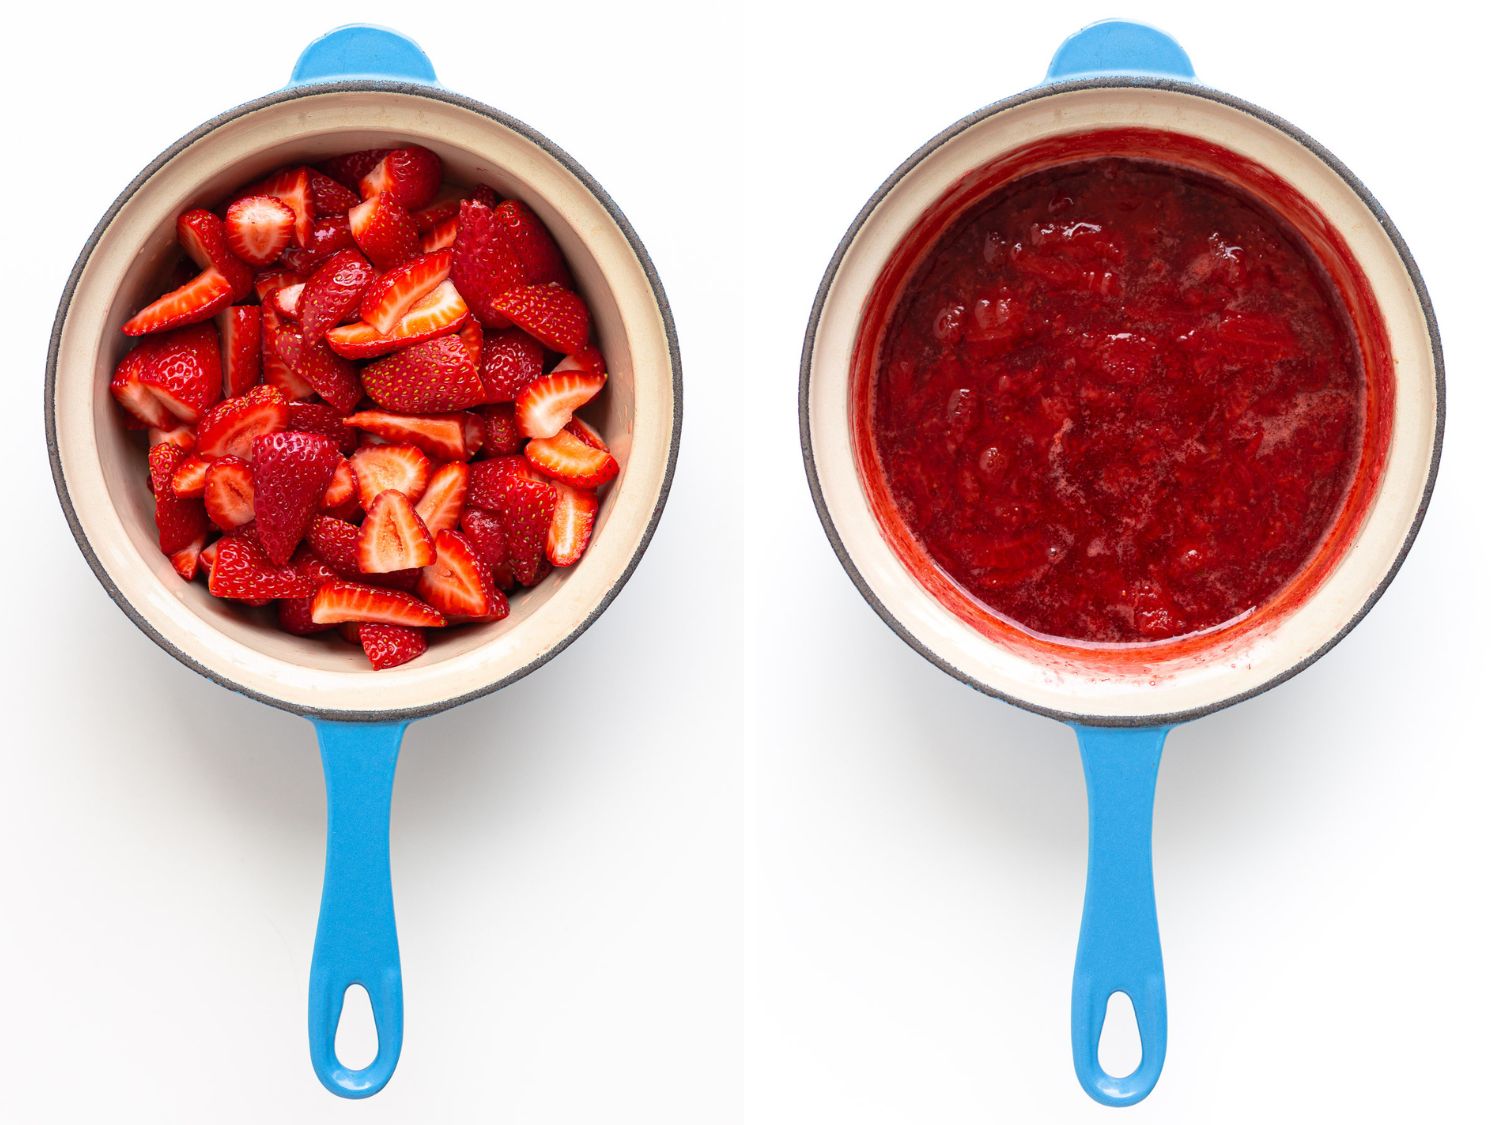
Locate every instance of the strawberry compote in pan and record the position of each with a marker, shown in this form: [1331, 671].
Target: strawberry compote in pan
[1119, 401]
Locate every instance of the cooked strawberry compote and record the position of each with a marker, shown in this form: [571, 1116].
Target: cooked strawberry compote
[1119, 401]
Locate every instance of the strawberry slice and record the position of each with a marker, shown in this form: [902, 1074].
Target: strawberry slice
[586, 434]
[293, 187]
[510, 362]
[267, 282]
[286, 299]
[330, 234]
[384, 231]
[259, 228]
[411, 176]
[393, 537]
[572, 524]
[187, 561]
[393, 293]
[484, 266]
[448, 437]
[434, 215]
[426, 378]
[239, 348]
[440, 237]
[524, 507]
[440, 312]
[180, 369]
[312, 362]
[202, 235]
[541, 260]
[180, 436]
[387, 646]
[567, 458]
[342, 493]
[180, 524]
[242, 570]
[501, 434]
[276, 370]
[198, 300]
[230, 429]
[490, 479]
[381, 467]
[485, 533]
[333, 292]
[546, 406]
[188, 478]
[337, 602]
[554, 315]
[294, 615]
[229, 493]
[443, 502]
[588, 360]
[473, 337]
[454, 583]
[136, 398]
[336, 543]
[291, 472]
[320, 418]
[330, 197]
[351, 167]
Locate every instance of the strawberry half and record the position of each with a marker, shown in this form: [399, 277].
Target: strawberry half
[242, 569]
[443, 502]
[411, 176]
[293, 187]
[180, 524]
[501, 434]
[287, 299]
[351, 167]
[230, 429]
[440, 237]
[277, 370]
[454, 583]
[567, 458]
[336, 543]
[337, 602]
[384, 231]
[239, 348]
[259, 228]
[229, 493]
[381, 467]
[426, 378]
[393, 537]
[388, 646]
[449, 437]
[333, 292]
[320, 418]
[330, 234]
[509, 363]
[434, 215]
[546, 406]
[440, 312]
[180, 436]
[540, 258]
[392, 294]
[198, 300]
[342, 493]
[572, 524]
[180, 369]
[188, 478]
[291, 473]
[329, 197]
[588, 361]
[485, 533]
[489, 480]
[554, 315]
[524, 507]
[484, 266]
[204, 239]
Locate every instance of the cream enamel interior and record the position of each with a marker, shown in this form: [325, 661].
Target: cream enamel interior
[104, 467]
[1149, 687]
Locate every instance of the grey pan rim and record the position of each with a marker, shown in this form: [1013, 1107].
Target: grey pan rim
[1191, 89]
[404, 714]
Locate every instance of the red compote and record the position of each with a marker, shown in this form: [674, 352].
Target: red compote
[1119, 401]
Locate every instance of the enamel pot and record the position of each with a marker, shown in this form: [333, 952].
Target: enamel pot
[356, 88]
[1121, 89]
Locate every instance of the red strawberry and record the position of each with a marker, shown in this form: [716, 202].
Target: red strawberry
[198, 300]
[239, 348]
[351, 167]
[440, 312]
[277, 371]
[232, 427]
[483, 193]
[569, 459]
[330, 234]
[242, 570]
[411, 176]
[336, 543]
[511, 362]
[336, 602]
[485, 533]
[180, 436]
[484, 266]
[501, 434]
[267, 282]
[586, 434]
[380, 467]
[443, 502]
[473, 337]
[314, 363]
[588, 361]
[384, 231]
[286, 299]
[555, 316]
[546, 406]
[434, 215]
[572, 524]
[202, 235]
[333, 292]
[449, 437]
[181, 369]
[186, 561]
[259, 228]
[433, 376]
[392, 294]
[229, 493]
[540, 258]
[136, 398]
[489, 480]
[180, 524]
[188, 477]
[295, 614]
[440, 237]
[387, 646]
[291, 472]
[454, 583]
[328, 195]
[342, 493]
[293, 187]
[320, 418]
[524, 506]
[393, 537]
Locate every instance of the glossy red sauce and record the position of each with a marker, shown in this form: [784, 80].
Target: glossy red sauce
[1119, 401]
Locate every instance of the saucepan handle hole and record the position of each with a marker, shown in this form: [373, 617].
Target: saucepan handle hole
[1119, 1042]
[356, 1041]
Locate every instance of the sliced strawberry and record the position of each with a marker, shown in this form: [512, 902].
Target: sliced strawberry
[198, 300]
[489, 480]
[202, 235]
[181, 369]
[569, 459]
[286, 299]
[291, 472]
[439, 313]
[336, 602]
[135, 397]
[278, 371]
[187, 560]
[293, 187]
[392, 294]
[540, 258]
[501, 434]
[313, 362]
[485, 532]
[336, 543]
[229, 493]
[180, 436]
[179, 523]
[454, 583]
[511, 362]
[384, 231]
[586, 434]
[242, 570]
[188, 477]
[393, 536]
[443, 502]
[436, 375]
[389, 646]
[342, 493]
[526, 510]
[330, 234]
[484, 266]
[267, 282]
[351, 167]
[239, 348]
[259, 228]
[554, 315]
[381, 467]
[320, 418]
[572, 524]
[230, 429]
[207, 555]
[411, 176]
[588, 360]
[330, 197]
[473, 337]
[440, 237]
[434, 215]
[448, 437]
[483, 193]
[333, 292]
[546, 406]
[295, 614]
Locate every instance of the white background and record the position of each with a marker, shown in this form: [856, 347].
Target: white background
[910, 853]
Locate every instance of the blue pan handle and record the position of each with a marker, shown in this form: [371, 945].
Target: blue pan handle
[356, 942]
[1119, 946]
[363, 51]
[1119, 47]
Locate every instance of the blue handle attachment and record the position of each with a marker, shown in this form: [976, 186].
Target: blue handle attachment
[1119, 945]
[356, 942]
[361, 50]
[1119, 47]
